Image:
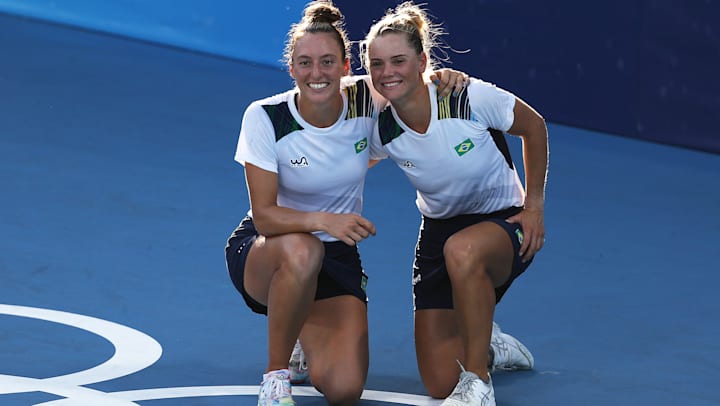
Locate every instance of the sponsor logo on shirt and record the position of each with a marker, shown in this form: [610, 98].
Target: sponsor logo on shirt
[408, 164]
[361, 145]
[299, 163]
[464, 147]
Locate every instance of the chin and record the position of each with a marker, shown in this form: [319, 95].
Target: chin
[390, 95]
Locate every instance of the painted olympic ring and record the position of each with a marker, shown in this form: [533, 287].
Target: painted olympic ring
[135, 351]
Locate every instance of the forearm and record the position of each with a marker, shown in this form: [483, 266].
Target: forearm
[272, 221]
[535, 159]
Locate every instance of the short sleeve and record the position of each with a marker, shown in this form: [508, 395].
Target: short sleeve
[256, 143]
[376, 149]
[491, 105]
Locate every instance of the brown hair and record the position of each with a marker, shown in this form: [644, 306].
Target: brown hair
[318, 16]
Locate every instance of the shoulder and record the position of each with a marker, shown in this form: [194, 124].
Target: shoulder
[491, 105]
[260, 106]
[274, 100]
[388, 127]
[363, 100]
[275, 112]
[479, 87]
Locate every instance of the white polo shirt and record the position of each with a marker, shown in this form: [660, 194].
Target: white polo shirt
[319, 169]
[458, 166]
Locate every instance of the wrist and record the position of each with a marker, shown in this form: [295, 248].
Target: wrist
[535, 204]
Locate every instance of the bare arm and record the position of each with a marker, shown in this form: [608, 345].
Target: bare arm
[530, 126]
[271, 219]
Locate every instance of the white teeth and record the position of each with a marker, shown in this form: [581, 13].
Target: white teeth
[391, 84]
[318, 85]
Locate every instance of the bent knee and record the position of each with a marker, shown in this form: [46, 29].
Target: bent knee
[339, 389]
[459, 250]
[343, 395]
[302, 252]
[439, 377]
[439, 391]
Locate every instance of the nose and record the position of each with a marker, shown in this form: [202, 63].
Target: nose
[315, 70]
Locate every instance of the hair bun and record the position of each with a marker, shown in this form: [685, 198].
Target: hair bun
[322, 12]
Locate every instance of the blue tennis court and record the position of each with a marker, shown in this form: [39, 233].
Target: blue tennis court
[118, 191]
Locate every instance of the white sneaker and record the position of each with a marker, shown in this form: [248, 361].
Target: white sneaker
[299, 372]
[471, 391]
[509, 354]
[275, 389]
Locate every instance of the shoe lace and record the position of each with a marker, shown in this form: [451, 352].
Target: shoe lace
[464, 386]
[500, 350]
[465, 389]
[275, 388]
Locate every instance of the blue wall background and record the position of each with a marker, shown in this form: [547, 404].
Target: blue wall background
[248, 30]
[637, 68]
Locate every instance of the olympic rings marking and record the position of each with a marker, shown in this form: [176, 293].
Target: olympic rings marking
[135, 351]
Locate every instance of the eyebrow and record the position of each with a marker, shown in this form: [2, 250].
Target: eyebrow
[321, 56]
[392, 57]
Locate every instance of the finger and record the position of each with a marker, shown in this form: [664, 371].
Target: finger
[523, 250]
[356, 237]
[448, 86]
[367, 225]
[460, 84]
[535, 245]
[527, 255]
[526, 246]
[443, 86]
[361, 232]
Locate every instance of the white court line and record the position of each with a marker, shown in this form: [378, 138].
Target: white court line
[135, 351]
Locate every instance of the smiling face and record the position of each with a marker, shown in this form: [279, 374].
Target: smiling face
[395, 67]
[317, 66]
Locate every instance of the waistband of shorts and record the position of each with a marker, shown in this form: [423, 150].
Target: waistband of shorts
[505, 213]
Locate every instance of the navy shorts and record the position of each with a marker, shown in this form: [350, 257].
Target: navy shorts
[431, 283]
[341, 272]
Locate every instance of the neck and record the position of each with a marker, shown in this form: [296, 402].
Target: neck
[320, 114]
[414, 109]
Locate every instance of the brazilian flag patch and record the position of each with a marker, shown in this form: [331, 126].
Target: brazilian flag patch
[361, 145]
[464, 147]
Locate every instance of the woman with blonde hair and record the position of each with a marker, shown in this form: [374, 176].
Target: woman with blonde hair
[480, 227]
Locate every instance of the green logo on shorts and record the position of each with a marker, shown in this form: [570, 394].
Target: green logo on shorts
[361, 145]
[363, 284]
[464, 147]
[519, 234]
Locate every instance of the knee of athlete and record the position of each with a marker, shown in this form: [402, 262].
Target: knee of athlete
[440, 389]
[343, 395]
[338, 389]
[303, 254]
[460, 257]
